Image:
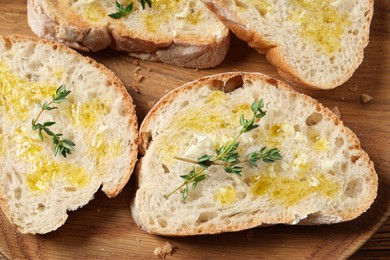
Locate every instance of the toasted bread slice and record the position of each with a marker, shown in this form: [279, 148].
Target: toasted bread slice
[37, 187]
[179, 32]
[323, 177]
[318, 44]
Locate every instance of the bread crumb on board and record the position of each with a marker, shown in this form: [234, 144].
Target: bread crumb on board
[151, 103]
[353, 88]
[137, 69]
[165, 249]
[366, 98]
[139, 78]
[135, 88]
[136, 62]
[336, 110]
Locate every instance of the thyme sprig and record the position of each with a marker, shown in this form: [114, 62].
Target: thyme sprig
[227, 155]
[124, 11]
[63, 146]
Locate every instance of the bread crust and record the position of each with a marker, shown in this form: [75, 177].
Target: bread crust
[109, 189]
[273, 51]
[219, 81]
[76, 33]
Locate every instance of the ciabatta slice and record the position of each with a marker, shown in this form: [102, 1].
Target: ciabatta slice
[323, 177]
[36, 187]
[179, 32]
[315, 43]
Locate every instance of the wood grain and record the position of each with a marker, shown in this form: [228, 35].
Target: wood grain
[104, 228]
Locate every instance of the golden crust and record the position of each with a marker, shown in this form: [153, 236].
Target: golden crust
[132, 122]
[354, 144]
[68, 28]
[274, 55]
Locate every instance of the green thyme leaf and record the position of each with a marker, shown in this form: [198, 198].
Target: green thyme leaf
[144, 2]
[227, 155]
[62, 147]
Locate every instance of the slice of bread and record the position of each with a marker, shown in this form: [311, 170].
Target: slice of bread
[36, 187]
[318, 44]
[179, 32]
[323, 177]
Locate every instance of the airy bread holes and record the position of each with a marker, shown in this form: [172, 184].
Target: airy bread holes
[41, 207]
[206, 216]
[354, 187]
[233, 83]
[162, 223]
[355, 158]
[241, 4]
[339, 141]
[184, 104]
[18, 193]
[313, 119]
[166, 169]
[7, 43]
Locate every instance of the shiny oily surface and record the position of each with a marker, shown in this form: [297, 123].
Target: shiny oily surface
[200, 129]
[18, 96]
[109, 230]
[320, 23]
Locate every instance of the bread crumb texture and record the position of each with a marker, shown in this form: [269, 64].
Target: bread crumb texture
[36, 186]
[318, 43]
[164, 250]
[179, 32]
[365, 98]
[324, 176]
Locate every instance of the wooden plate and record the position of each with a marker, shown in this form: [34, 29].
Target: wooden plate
[104, 228]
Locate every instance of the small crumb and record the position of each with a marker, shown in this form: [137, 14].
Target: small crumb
[101, 248]
[135, 88]
[249, 235]
[151, 103]
[137, 69]
[139, 78]
[196, 69]
[336, 110]
[136, 62]
[165, 249]
[343, 98]
[224, 255]
[353, 88]
[138, 239]
[366, 98]
[148, 68]
[166, 91]
[98, 210]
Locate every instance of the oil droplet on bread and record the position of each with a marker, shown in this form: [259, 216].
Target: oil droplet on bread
[103, 147]
[321, 22]
[162, 12]
[45, 169]
[18, 96]
[44, 172]
[320, 144]
[289, 190]
[226, 195]
[94, 12]
[86, 114]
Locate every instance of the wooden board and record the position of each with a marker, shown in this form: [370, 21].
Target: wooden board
[104, 228]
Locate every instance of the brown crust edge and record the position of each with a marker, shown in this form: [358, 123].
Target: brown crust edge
[224, 77]
[132, 123]
[273, 54]
[88, 38]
